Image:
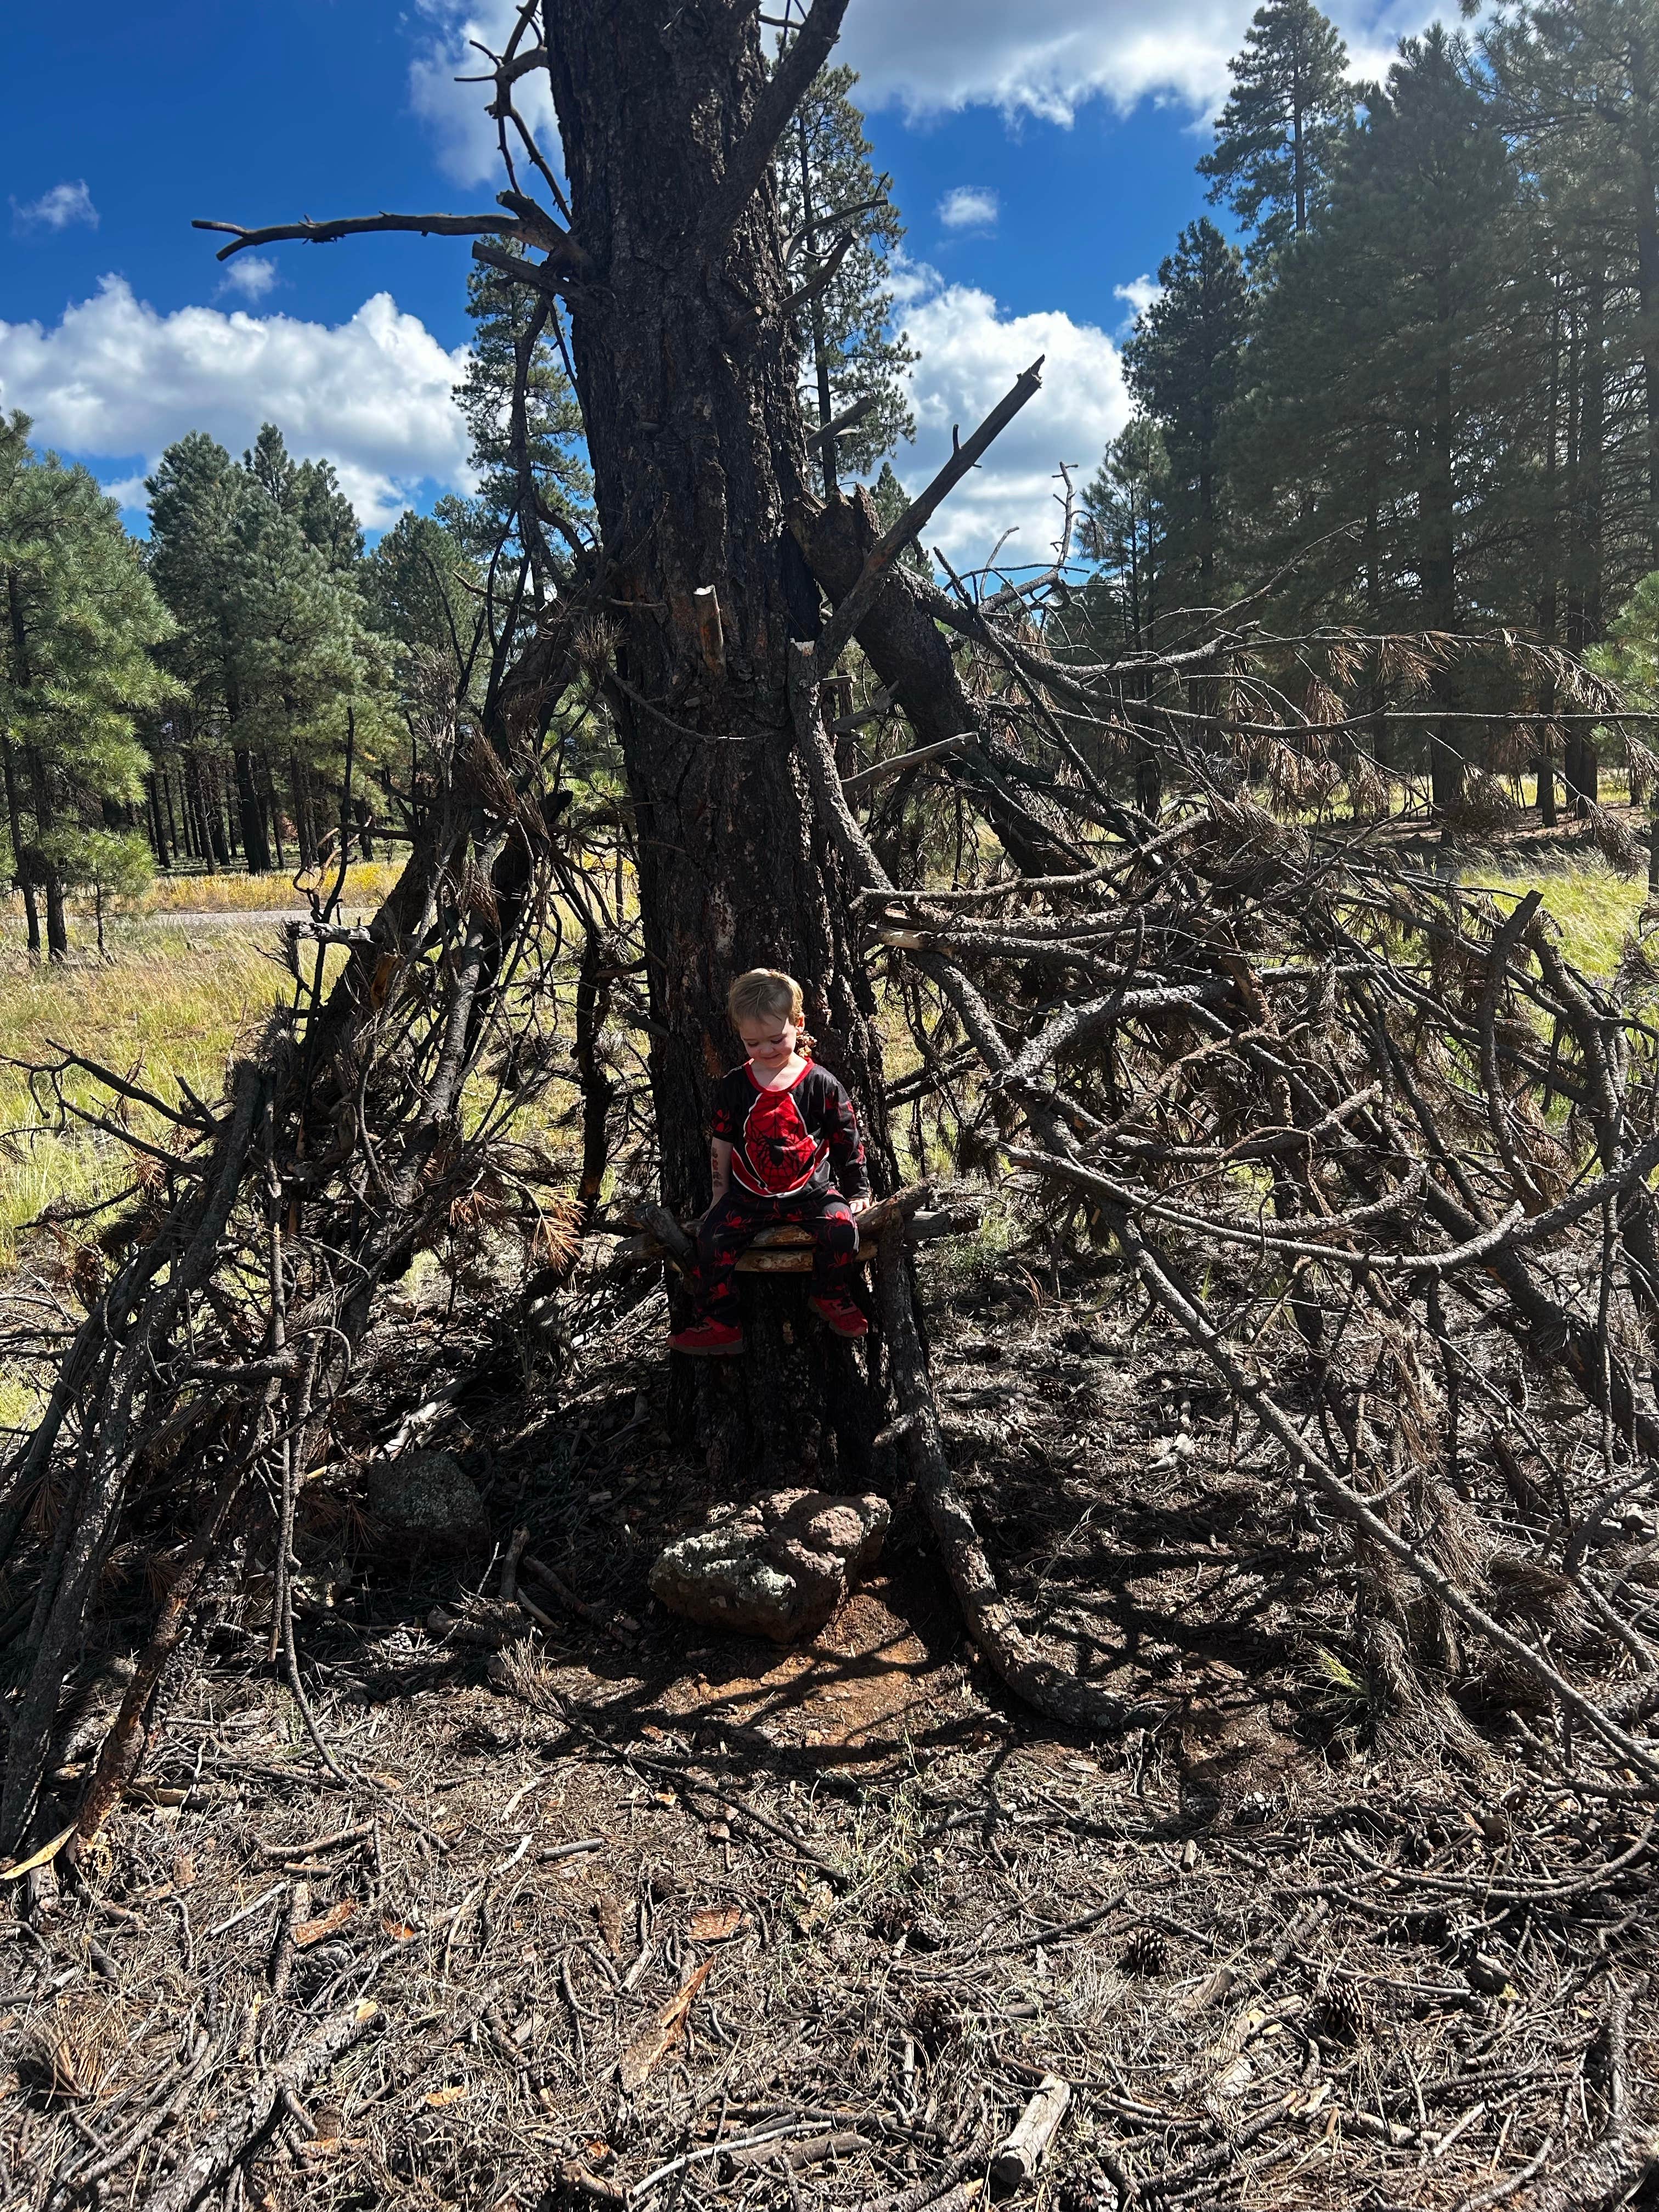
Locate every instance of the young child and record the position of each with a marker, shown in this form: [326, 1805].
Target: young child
[778, 1124]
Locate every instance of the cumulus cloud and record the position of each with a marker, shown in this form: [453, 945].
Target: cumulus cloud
[1137, 295]
[251, 275]
[57, 210]
[928, 57]
[970, 353]
[467, 146]
[968, 207]
[931, 57]
[115, 378]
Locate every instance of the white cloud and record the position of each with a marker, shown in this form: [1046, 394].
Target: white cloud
[468, 146]
[1138, 294]
[932, 57]
[970, 355]
[115, 378]
[928, 58]
[968, 207]
[251, 275]
[57, 210]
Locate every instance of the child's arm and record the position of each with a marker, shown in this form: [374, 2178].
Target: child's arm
[720, 1168]
[847, 1151]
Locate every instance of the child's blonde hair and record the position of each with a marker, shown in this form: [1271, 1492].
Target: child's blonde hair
[762, 993]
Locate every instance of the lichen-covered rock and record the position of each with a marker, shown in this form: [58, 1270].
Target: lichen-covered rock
[424, 1502]
[778, 1567]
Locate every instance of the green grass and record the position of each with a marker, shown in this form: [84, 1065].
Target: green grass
[1595, 908]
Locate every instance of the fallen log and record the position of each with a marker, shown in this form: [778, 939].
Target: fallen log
[1019, 2157]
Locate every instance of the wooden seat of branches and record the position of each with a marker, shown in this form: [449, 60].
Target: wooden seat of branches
[787, 1250]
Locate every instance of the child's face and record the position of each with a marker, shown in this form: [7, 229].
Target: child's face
[769, 1040]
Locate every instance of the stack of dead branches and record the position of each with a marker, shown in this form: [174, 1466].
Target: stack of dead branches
[1371, 1140]
[229, 1292]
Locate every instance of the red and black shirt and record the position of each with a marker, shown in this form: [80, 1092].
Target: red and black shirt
[783, 1141]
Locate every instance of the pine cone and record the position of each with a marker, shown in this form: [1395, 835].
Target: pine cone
[1339, 2014]
[1147, 1954]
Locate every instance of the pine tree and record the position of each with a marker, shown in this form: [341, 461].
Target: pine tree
[1182, 366]
[76, 670]
[273, 642]
[1285, 118]
[1578, 86]
[197, 499]
[505, 322]
[310, 492]
[1394, 373]
[890, 499]
[421, 586]
[1122, 532]
[840, 232]
[309, 671]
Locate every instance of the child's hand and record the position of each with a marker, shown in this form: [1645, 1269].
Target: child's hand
[858, 1205]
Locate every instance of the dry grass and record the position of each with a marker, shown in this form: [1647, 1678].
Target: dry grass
[164, 1005]
[367, 884]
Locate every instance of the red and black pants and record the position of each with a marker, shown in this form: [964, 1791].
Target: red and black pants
[732, 1225]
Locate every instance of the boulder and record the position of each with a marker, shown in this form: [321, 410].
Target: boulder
[424, 1502]
[778, 1567]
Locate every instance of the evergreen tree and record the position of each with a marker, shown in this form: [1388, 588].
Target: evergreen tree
[840, 232]
[1182, 365]
[1393, 372]
[197, 501]
[507, 320]
[416, 580]
[1122, 532]
[1284, 120]
[420, 585]
[309, 669]
[76, 670]
[890, 499]
[273, 641]
[310, 493]
[1579, 89]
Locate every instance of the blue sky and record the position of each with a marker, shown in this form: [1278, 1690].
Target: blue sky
[1061, 134]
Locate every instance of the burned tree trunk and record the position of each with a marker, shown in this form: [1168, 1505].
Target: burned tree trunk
[686, 372]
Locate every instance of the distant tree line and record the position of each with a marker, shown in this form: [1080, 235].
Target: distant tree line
[1421, 392]
[248, 688]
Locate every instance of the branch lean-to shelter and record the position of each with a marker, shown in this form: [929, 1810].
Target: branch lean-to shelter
[1316, 1098]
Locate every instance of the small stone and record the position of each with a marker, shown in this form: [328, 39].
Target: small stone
[424, 1502]
[776, 1568]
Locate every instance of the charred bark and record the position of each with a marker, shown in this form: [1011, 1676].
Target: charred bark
[912, 658]
[688, 382]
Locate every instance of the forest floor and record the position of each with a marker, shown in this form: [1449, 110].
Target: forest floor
[653, 1917]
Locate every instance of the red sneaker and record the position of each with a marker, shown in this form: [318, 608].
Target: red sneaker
[839, 1315]
[706, 1337]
